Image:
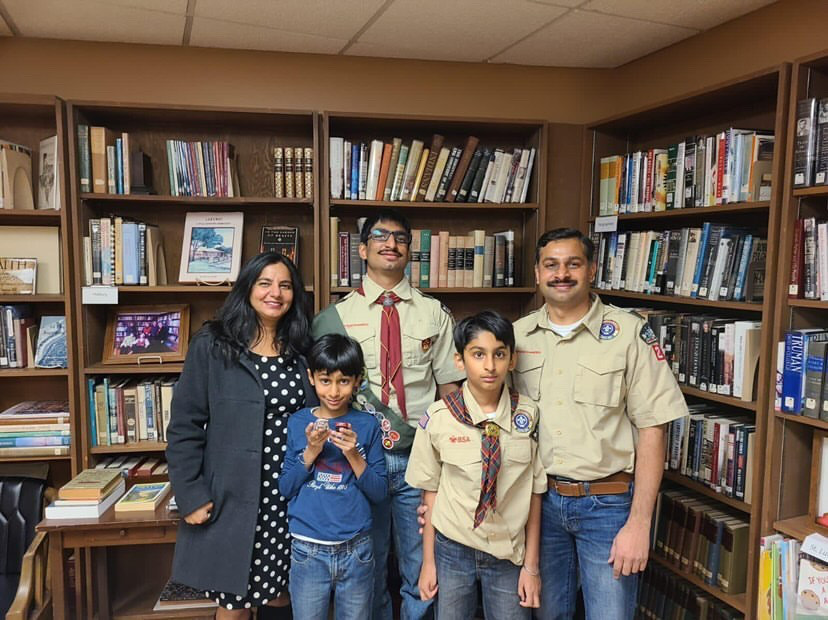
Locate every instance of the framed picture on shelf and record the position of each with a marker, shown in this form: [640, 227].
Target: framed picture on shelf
[18, 276]
[211, 248]
[146, 334]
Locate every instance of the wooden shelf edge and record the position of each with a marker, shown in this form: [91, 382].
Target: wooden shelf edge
[144, 369]
[698, 487]
[808, 303]
[719, 398]
[33, 299]
[680, 301]
[801, 419]
[140, 446]
[183, 288]
[453, 290]
[30, 217]
[195, 200]
[738, 207]
[407, 204]
[799, 527]
[25, 459]
[804, 192]
[34, 372]
[737, 601]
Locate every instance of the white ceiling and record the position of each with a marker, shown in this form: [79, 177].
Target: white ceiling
[561, 33]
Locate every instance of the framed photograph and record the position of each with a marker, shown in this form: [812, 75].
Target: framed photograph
[18, 276]
[211, 247]
[146, 334]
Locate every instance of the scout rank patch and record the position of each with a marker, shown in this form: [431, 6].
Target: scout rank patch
[609, 330]
[426, 344]
[521, 422]
[647, 334]
[424, 420]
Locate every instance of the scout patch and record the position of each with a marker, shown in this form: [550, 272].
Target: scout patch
[658, 352]
[647, 334]
[609, 330]
[426, 344]
[521, 422]
[424, 421]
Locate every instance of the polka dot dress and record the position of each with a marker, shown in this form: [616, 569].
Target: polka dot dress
[284, 394]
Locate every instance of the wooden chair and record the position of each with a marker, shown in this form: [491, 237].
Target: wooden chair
[33, 600]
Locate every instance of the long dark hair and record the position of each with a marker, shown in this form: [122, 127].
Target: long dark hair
[237, 325]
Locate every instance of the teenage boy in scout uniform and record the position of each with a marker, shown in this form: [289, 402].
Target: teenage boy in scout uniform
[406, 338]
[476, 459]
[599, 379]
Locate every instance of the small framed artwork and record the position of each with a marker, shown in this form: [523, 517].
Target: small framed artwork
[211, 248]
[146, 334]
[18, 276]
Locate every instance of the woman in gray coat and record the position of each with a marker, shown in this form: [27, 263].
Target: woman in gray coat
[244, 374]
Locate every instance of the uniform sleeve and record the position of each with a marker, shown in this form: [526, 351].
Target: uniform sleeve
[373, 481]
[653, 396]
[294, 475]
[443, 363]
[540, 482]
[424, 464]
[187, 434]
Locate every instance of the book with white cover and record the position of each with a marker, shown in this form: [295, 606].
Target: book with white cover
[82, 509]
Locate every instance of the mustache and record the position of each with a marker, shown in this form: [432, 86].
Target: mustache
[389, 251]
[558, 281]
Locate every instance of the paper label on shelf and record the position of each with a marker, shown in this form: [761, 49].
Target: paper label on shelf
[99, 295]
[606, 223]
[816, 545]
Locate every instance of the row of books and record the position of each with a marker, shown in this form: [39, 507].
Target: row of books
[135, 466]
[662, 594]
[780, 559]
[103, 160]
[128, 410]
[16, 186]
[730, 166]
[25, 343]
[809, 260]
[811, 143]
[703, 538]
[293, 172]
[714, 448]
[411, 172]
[804, 390]
[35, 428]
[202, 168]
[710, 353]
[120, 251]
[715, 262]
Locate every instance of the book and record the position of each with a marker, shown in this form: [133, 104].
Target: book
[48, 182]
[51, 343]
[18, 276]
[84, 510]
[41, 243]
[178, 596]
[90, 484]
[211, 246]
[282, 240]
[804, 142]
[143, 496]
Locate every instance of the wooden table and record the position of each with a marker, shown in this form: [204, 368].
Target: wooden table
[109, 530]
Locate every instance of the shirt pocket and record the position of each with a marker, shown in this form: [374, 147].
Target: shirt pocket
[598, 380]
[527, 375]
[519, 450]
[418, 342]
[368, 342]
[465, 461]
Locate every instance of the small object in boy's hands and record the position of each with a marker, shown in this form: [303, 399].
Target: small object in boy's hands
[340, 425]
[320, 425]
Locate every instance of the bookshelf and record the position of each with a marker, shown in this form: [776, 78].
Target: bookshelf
[26, 120]
[527, 219]
[758, 101]
[791, 473]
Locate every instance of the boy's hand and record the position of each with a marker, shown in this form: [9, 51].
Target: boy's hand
[428, 581]
[345, 439]
[529, 587]
[422, 509]
[316, 436]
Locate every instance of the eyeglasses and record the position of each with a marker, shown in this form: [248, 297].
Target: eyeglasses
[380, 234]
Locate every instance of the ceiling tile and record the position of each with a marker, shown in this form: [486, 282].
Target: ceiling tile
[466, 30]
[92, 20]
[567, 3]
[701, 14]
[216, 33]
[341, 19]
[179, 7]
[585, 39]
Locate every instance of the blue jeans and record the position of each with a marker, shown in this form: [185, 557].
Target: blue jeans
[401, 508]
[459, 568]
[345, 569]
[576, 538]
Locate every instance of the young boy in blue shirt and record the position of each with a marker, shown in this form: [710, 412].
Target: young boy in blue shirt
[476, 460]
[334, 469]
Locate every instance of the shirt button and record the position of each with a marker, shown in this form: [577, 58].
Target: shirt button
[559, 432]
[558, 461]
[559, 372]
[559, 402]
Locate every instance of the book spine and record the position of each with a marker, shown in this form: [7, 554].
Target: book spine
[344, 259]
[425, 258]
[84, 167]
[289, 176]
[804, 147]
[299, 172]
[794, 371]
[279, 175]
[448, 174]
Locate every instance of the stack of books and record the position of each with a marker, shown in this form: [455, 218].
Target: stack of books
[88, 495]
[178, 596]
[35, 428]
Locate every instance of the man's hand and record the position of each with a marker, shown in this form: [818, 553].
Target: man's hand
[529, 588]
[630, 549]
[422, 509]
[199, 515]
[428, 581]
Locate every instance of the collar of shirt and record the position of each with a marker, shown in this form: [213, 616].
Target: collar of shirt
[374, 290]
[503, 413]
[591, 322]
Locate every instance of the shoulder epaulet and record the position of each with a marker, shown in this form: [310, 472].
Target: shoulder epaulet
[348, 296]
[443, 307]
[628, 311]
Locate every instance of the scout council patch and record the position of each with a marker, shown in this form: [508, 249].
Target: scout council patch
[426, 344]
[647, 334]
[609, 330]
[521, 422]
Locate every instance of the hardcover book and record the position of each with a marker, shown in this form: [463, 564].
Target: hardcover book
[144, 496]
[90, 484]
[282, 240]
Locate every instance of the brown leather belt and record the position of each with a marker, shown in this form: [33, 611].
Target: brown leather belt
[611, 485]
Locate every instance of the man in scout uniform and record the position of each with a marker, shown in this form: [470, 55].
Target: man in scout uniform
[406, 338]
[476, 459]
[599, 379]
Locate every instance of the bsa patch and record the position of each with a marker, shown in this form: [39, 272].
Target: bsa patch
[647, 334]
[609, 330]
[424, 421]
[658, 352]
[521, 422]
[426, 344]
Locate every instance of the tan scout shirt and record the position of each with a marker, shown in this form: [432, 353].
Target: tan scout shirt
[445, 458]
[427, 342]
[593, 388]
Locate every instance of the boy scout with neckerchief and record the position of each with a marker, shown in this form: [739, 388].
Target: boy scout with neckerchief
[605, 394]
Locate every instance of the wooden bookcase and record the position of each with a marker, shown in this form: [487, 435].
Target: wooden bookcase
[253, 132]
[755, 101]
[528, 219]
[26, 120]
[791, 474]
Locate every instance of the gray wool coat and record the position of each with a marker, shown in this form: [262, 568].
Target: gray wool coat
[214, 451]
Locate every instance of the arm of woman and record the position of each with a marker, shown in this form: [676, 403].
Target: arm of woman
[186, 434]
